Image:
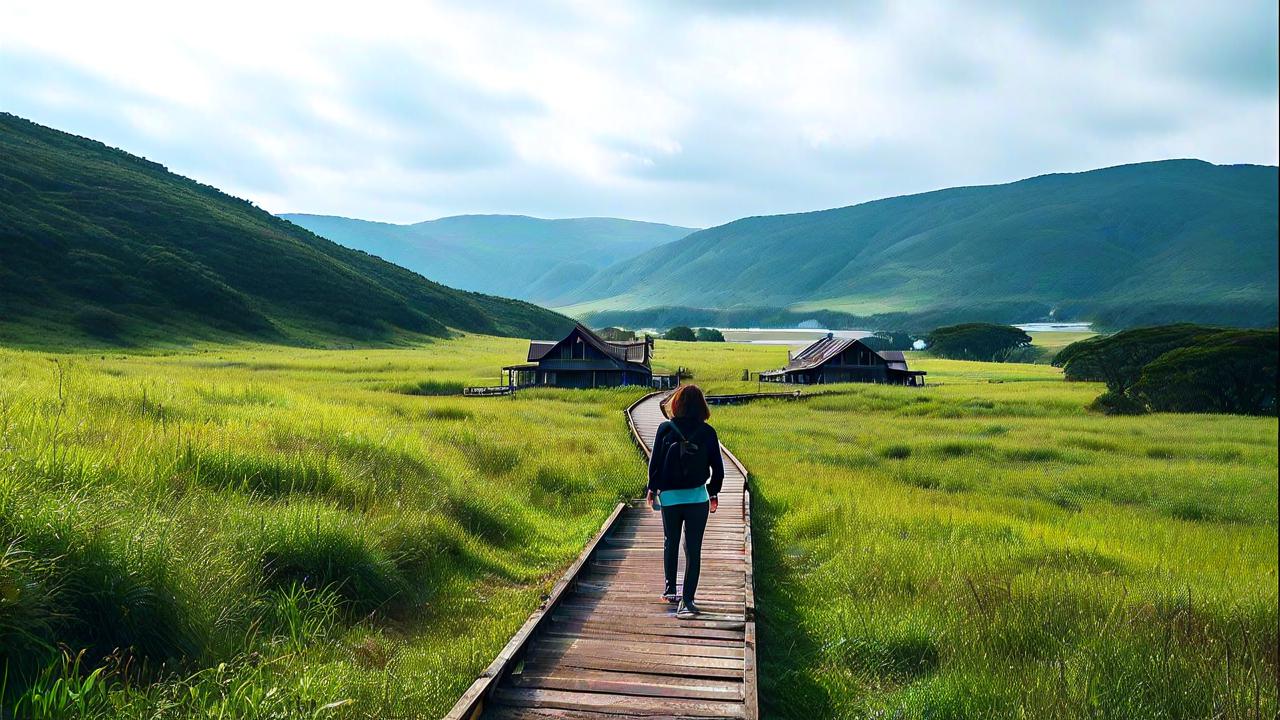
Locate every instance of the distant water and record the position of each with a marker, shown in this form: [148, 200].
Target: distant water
[1057, 327]
[785, 336]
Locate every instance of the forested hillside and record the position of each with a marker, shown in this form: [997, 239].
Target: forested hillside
[1178, 240]
[98, 243]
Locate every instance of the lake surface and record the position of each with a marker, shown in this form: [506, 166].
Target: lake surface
[1057, 327]
[785, 336]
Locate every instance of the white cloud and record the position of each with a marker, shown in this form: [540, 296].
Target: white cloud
[686, 113]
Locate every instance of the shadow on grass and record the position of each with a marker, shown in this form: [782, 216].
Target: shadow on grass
[787, 689]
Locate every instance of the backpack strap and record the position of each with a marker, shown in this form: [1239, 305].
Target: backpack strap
[676, 427]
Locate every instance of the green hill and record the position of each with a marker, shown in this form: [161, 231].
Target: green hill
[1178, 240]
[511, 255]
[97, 242]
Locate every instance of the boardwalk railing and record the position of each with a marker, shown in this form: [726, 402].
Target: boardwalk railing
[487, 391]
[603, 645]
[737, 398]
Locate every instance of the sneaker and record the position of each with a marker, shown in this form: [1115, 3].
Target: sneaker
[671, 596]
[687, 610]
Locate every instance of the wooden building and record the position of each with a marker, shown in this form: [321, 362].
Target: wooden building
[583, 359]
[837, 360]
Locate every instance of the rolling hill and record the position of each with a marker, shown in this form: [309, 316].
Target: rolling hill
[1176, 240]
[512, 255]
[97, 242]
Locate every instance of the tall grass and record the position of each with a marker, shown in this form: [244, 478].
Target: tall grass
[984, 547]
[252, 531]
[261, 532]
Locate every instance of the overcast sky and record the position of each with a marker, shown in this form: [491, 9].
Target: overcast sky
[688, 113]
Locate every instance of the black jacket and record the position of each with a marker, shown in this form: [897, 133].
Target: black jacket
[705, 435]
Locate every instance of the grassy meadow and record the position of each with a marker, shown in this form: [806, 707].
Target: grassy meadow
[983, 547]
[317, 533]
[280, 532]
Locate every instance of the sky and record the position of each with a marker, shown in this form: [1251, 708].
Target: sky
[690, 113]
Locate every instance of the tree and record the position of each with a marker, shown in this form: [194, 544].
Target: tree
[709, 335]
[615, 334]
[1118, 360]
[681, 333]
[1229, 372]
[977, 341]
[889, 340]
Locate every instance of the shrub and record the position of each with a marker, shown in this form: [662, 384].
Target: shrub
[709, 335]
[977, 341]
[1113, 403]
[680, 333]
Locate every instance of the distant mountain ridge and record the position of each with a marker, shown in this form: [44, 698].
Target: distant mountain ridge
[1176, 240]
[513, 255]
[97, 242]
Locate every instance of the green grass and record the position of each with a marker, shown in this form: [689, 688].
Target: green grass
[258, 531]
[264, 531]
[983, 547]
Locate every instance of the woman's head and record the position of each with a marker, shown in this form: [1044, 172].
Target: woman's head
[688, 402]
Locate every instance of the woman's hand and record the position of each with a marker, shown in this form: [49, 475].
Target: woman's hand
[648, 499]
[715, 503]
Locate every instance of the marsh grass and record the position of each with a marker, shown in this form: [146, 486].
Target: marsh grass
[253, 531]
[991, 549]
[262, 532]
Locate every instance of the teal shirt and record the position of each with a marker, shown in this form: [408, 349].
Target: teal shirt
[685, 496]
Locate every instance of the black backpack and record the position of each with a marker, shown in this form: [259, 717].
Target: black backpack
[684, 463]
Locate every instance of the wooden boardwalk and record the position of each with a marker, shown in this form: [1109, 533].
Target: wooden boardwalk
[605, 645]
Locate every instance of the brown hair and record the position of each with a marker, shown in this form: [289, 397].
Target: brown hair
[688, 402]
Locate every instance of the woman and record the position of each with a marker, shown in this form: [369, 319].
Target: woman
[685, 475]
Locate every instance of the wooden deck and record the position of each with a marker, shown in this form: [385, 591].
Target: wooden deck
[605, 645]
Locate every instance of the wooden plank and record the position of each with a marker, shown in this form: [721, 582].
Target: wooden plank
[610, 647]
[471, 704]
[636, 665]
[618, 704]
[621, 683]
[648, 646]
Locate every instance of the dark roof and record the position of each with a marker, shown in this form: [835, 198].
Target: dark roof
[539, 348]
[819, 352]
[824, 349]
[630, 351]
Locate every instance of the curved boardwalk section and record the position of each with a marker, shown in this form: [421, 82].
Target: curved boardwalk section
[605, 645]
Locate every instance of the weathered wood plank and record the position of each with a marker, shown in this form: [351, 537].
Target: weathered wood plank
[610, 647]
[618, 704]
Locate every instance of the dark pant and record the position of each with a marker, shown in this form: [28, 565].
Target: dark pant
[693, 518]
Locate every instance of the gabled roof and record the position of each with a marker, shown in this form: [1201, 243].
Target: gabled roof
[539, 348]
[627, 351]
[819, 352]
[824, 349]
